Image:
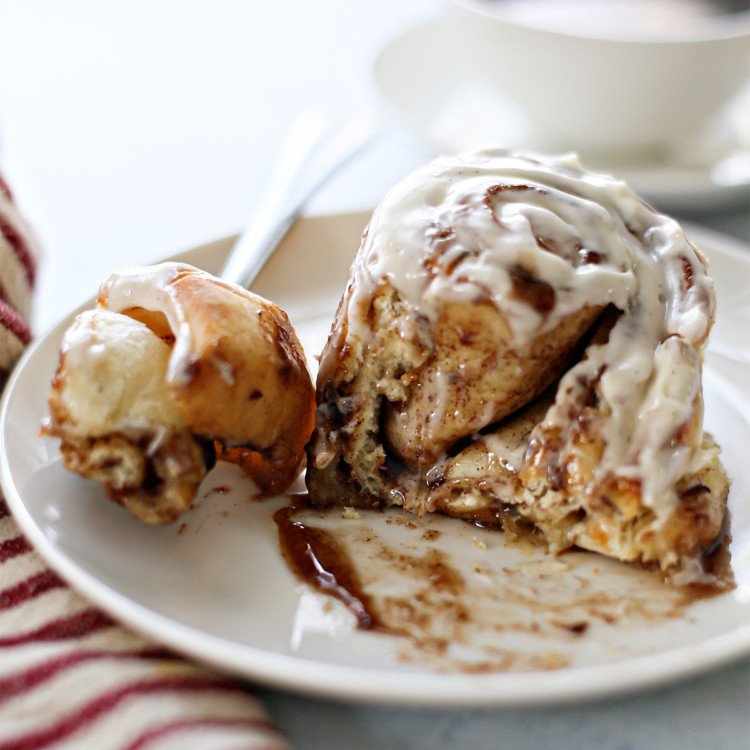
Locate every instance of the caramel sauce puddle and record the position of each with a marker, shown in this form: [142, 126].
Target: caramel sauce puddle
[435, 614]
[318, 559]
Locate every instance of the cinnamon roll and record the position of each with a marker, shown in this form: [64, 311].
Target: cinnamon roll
[521, 338]
[173, 366]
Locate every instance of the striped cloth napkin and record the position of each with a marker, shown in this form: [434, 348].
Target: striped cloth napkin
[18, 255]
[70, 677]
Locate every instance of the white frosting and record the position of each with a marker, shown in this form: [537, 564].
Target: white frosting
[150, 288]
[460, 228]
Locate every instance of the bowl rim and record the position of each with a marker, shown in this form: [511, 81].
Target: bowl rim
[736, 27]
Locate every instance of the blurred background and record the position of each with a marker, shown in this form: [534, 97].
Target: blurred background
[133, 130]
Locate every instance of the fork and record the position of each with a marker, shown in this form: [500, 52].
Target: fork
[313, 151]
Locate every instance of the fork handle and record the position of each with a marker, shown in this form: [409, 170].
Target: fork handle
[313, 151]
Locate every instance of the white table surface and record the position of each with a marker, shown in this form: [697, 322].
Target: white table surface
[131, 130]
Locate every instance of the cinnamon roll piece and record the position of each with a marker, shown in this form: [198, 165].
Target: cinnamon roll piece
[521, 335]
[172, 366]
[111, 406]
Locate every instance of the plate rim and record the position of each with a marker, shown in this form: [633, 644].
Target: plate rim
[362, 684]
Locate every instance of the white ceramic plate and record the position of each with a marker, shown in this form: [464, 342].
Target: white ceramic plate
[435, 95]
[214, 586]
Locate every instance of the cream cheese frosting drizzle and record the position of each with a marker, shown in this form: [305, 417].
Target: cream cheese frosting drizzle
[479, 226]
[150, 288]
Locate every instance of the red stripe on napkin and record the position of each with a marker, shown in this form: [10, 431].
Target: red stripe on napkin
[109, 701]
[4, 294]
[5, 189]
[14, 547]
[74, 626]
[30, 588]
[18, 243]
[14, 323]
[28, 679]
[178, 726]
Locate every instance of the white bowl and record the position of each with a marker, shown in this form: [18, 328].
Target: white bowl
[601, 76]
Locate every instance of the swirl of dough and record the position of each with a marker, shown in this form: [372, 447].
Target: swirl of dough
[237, 371]
[494, 286]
